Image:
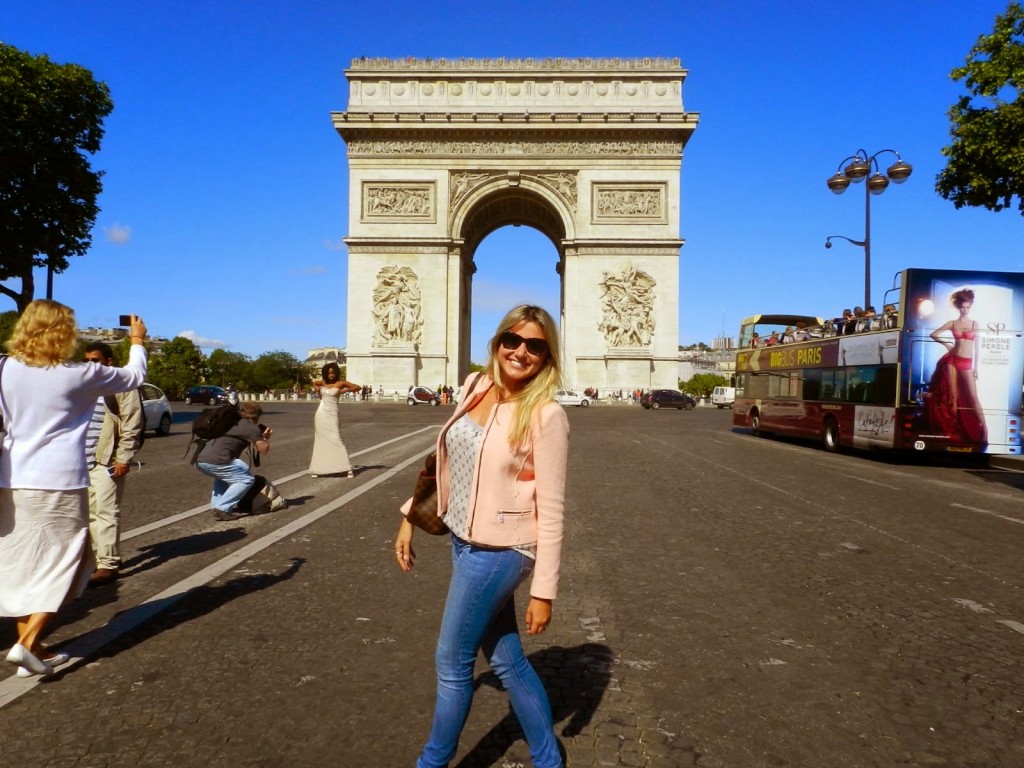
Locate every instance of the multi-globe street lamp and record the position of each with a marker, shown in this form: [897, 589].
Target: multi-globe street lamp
[858, 167]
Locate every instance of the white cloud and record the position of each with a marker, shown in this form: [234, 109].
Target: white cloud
[335, 245]
[117, 234]
[313, 271]
[201, 341]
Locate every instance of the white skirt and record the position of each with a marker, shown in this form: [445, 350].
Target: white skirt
[45, 558]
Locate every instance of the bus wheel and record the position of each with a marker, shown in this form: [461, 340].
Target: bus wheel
[755, 423]
[830, 435]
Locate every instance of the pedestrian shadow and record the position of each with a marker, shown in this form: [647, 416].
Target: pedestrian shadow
[575, 679]
[297, 501]
[147, 620]
[153, 555]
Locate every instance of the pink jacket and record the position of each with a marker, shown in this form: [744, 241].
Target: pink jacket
[518, 494]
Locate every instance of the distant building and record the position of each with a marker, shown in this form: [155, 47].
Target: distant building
[113, 336]
[316, 359]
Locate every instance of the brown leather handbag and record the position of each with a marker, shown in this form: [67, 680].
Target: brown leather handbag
[423, 512]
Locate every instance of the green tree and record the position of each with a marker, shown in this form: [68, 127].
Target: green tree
[178, 366]
[703, 384]
[52, 121]
[7, 321]
[275, 370]
[986, 157]
[229, 368]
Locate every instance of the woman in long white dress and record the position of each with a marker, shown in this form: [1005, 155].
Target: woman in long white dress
[46, 402]
[330, 457]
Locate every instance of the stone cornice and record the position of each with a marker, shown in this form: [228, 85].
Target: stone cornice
[592, 120]
[562, 64]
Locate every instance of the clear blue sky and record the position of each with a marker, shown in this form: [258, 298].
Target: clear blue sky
[225, 194]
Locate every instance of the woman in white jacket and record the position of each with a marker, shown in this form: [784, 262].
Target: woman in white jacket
[501, 466]
[46, 402]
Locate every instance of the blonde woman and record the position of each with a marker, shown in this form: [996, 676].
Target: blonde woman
[501, 466]
[46, 402]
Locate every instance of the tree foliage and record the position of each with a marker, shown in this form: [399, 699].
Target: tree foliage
[703, 384]
[229, 368]
[179, 365]
[986, 157]
[275, 370]
[7, 322]
[52, 121]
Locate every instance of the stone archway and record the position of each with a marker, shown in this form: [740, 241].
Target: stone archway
[441, 153]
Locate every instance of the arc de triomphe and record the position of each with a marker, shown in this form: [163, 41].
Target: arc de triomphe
[443, 152]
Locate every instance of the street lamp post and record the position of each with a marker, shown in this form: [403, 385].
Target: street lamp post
[858, 167]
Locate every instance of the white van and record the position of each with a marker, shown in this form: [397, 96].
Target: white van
[723, 397]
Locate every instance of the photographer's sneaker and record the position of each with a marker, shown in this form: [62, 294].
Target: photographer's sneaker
[220, 514]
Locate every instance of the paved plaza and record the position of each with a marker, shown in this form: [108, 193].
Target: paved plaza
[726, 601]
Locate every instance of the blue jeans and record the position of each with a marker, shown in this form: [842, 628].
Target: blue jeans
[480, 613]
[230, 482]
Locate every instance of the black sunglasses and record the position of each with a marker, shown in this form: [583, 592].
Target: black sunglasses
[511, 340]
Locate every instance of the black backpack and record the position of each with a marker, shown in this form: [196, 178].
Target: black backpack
[211, 424]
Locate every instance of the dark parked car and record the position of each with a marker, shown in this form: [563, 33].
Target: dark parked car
[424, 395]
[667, 398]
[204, 393]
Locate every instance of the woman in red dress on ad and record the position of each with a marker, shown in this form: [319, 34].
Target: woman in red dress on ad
[953, 407]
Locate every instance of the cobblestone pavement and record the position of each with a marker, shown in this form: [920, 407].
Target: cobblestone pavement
[725, 601]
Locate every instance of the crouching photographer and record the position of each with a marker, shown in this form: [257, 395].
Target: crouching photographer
[236, 489]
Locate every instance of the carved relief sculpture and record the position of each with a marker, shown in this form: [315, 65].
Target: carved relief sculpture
[627, 304]
[462, 183]
[564, 184]
[397, 310]
[409, 201]
[635, 202]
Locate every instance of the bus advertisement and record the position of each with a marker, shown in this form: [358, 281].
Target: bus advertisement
[941, 369]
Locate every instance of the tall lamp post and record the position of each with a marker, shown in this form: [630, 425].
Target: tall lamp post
[858, 167]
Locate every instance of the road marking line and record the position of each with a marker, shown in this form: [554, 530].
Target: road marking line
[165, 521]
[989, 512]
[869, 482]
[971, 605]
[88, 644]
[1014, 625]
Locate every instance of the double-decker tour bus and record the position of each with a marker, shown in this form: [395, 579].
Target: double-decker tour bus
[941, 368]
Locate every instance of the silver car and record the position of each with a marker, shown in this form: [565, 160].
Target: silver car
[156, 410]
[568, 397]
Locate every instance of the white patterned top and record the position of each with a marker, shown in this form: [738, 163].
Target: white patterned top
[463, 441]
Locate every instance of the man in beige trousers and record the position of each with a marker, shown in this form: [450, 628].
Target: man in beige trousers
[114, 437]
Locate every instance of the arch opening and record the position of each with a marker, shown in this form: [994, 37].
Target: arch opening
[512, 251]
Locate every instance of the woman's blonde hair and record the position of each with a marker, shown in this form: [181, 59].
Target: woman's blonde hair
[539, 390]
[46, 334]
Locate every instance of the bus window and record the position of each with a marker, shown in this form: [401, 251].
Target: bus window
[861, 385]
[812, 384]
[885, 386]
[833, 384]
[794, 384]
[774, 385]
[758, 385]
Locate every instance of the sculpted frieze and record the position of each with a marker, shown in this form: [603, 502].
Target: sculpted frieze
[406, 201]
[627, 306]
[397, 310]
[639, 203]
